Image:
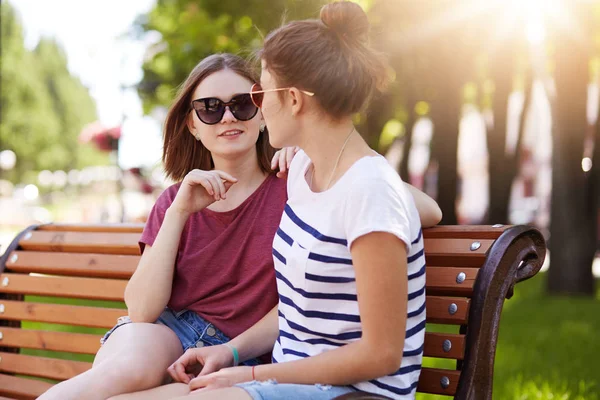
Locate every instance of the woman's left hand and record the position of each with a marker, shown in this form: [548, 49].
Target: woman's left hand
[283, 159]
[226, 377]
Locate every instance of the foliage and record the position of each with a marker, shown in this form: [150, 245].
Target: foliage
[43, 107]
[191, 30]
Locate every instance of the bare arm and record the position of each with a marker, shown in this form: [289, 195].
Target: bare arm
[380, 264]
[429, 211]
[149, 289]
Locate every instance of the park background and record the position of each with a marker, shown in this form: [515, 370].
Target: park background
[493, 111]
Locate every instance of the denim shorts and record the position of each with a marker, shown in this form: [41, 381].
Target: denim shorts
[191, 329]
[271, 390]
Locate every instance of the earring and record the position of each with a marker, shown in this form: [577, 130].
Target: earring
[262, 127]
[197, 137]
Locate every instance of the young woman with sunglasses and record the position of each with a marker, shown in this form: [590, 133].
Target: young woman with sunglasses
[206, 273]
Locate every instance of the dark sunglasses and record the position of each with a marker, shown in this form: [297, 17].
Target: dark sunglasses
[258, 94]
[210, 110]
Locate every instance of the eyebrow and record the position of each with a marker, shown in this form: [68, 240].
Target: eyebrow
[216, 97]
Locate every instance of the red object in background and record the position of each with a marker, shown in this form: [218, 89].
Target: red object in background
[105, 139]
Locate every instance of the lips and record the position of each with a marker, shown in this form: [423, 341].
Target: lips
[231, 132]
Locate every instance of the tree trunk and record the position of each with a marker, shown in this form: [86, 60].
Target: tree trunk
[445, 113]
[574, 221]
[408, 135]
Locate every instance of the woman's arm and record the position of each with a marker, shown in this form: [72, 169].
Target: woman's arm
[379, 261]
[149, 289]
[429, 211]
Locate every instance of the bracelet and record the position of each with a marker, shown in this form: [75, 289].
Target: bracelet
[253, 376]
[236, 355]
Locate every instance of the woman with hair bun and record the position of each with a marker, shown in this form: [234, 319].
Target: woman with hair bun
[348, 252]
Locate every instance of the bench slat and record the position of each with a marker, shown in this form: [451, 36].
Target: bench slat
[430, 381]
[121, 227]
[42, 367]
[434, 345]
[456, 252]
[22, 388]
[444, 281]
[80, 288]
[48, 340]
[438, 310]
[76, 264]
[465, 231]
[82, 242]
[95, 317]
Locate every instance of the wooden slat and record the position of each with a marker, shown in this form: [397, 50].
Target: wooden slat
[121, 228]
[82, 242]
[465, 232]
[42, 367]
[455, 252]
[429, 381]
[443, 281]
[22, 388]
[95, 317]
[434, 345]
[438, 310]
[47, 340]
[76, 264]
[79, 288]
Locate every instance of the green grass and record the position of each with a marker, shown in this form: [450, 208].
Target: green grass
[548, 348]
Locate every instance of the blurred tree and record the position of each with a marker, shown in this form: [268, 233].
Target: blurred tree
[191, 30]
[574, 214]
[504, 57]
[43, 107]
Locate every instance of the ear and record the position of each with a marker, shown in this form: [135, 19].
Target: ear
[297, 101]
[190, 124]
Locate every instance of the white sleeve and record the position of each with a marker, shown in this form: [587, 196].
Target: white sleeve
[377, 206]
[297, 166]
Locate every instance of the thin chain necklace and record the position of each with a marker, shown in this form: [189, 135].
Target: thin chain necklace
[312, 173]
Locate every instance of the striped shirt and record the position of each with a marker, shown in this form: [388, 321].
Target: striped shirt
[318, 306]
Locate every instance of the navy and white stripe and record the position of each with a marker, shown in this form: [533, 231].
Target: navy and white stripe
[318, 301]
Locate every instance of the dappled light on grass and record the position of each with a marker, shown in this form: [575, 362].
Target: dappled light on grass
[548, 347]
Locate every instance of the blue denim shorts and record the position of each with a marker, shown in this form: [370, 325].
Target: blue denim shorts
[271, 390]
[191, 329]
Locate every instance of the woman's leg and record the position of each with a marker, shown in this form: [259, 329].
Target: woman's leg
[135, 357]
[158, 393]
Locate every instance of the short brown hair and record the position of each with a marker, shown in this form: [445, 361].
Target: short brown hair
[181, 151]
[330, 57]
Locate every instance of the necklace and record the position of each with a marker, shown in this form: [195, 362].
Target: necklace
[312, 173]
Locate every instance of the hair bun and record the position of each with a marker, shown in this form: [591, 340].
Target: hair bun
[347, 19]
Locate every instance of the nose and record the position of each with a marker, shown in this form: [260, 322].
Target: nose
[228, 116]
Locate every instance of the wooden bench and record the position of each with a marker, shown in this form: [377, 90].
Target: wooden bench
[470, 271]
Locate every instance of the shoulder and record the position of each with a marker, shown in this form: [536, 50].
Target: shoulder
[167, 196]
[277, 187]
[376, 173]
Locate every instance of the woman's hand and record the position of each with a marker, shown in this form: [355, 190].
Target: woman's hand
[283, 159]
[226, 377]
[200, 189]
[199, 362]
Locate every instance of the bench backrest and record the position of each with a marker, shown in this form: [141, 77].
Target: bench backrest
[470, 271]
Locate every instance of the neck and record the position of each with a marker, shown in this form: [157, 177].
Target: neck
[244, 167]
[324, 142]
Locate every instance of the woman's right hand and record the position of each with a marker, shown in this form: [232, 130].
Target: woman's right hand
[199, 189]
[200, 361]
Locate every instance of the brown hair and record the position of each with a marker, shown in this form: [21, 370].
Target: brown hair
[330, 57]
[181, 151]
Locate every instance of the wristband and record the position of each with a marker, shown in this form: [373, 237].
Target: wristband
[236, 355]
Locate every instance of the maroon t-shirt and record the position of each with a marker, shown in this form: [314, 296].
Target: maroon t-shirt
[224, 268]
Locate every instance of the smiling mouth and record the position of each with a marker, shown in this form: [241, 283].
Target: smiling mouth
[234, 132]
